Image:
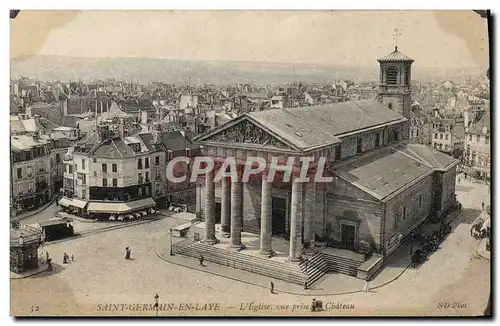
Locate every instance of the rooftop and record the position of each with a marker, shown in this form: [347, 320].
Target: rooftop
[484, 121]
[24, 143]
[387, 170]
[308, 127]
[382, 172]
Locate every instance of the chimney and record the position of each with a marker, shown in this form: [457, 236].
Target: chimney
[156, 136]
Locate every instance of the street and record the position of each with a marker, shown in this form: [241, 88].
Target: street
[101, 275]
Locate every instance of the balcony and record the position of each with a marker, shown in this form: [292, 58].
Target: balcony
[68, 175]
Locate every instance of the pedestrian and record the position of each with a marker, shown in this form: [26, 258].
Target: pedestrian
[458, 179]
[305, 285]
[272, 287]
[465, 175]
[201, 261]
[367, 287]
[49, 265]
[47, 256]
[65, 259]
[72, 257]
[127, 253]
[482, 205]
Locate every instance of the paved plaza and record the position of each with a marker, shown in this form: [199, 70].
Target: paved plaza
[100, 275]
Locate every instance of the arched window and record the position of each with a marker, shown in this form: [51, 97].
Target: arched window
[392, 75]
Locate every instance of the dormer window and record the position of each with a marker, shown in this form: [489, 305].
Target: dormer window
[135, 147]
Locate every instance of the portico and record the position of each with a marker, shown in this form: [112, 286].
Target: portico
[247, 200]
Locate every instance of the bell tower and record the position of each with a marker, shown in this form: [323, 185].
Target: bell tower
[395, 82]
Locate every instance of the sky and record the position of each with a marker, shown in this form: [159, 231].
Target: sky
[351, 38]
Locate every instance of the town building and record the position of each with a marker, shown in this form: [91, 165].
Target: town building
[179, 144]
[383, 188]
[114, 170]
[477, 150]
[420, 126]
[31, 172]
[280, 102]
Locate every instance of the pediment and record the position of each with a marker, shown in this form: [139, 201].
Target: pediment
[246, 132]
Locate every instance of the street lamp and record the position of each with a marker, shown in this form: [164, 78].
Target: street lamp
[412, 235]
[156, 303]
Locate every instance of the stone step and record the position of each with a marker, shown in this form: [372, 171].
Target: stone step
[314, 278]
[317, 267]
[249, 258]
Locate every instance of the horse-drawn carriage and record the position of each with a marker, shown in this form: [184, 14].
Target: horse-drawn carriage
[430, 244]
[480, 228]
[56, 228]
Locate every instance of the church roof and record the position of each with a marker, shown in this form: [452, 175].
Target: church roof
[381, 172]
[315, 125]
[312, 127]
[396, 56]
[389, 170]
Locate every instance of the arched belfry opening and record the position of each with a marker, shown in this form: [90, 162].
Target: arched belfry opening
[392, 75]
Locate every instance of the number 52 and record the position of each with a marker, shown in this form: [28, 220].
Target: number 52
[35, 308]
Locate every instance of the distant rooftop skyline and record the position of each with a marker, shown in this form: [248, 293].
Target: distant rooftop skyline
[350, 38]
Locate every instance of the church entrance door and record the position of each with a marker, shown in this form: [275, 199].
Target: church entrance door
[279, 216]
[348, 236]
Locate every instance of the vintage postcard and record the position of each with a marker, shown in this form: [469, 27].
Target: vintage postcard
[250, 163]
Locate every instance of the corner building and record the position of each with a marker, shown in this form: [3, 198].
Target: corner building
[114, 170]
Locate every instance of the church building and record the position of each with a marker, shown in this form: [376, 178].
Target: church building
[383, 187]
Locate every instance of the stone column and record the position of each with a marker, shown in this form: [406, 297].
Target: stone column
[198, 199]
[236, 213]
[266, 217]
[310, 211]
[210, 208]
[296, 221]
[225, 207]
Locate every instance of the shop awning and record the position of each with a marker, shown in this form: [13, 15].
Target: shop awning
[120, 208]
[141, 203]
[64, 201]
[78, 203]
